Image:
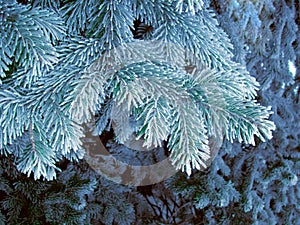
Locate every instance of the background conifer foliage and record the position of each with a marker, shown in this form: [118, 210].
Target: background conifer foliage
[236, 81]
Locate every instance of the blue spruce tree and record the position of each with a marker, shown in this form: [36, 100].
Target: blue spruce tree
[247, 184]
[184, 75]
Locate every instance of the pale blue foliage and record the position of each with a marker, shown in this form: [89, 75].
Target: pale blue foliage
[62, 63]
[67, 79]
[266, 177]
[27, 38]
[192, 6]
[111, 22]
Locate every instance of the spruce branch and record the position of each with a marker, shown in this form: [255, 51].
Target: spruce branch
[28, 35]
[155, 114]
[52, 26]
[147, 85]
[233, 112]
[39, 157]
[89, 86]
[120, 116]
[17, 118]
[212, 50]
[114, 20]
[52, 134]
[188, 141]
[64, 133]
[76, 14]
[79, 51]
[185, 139]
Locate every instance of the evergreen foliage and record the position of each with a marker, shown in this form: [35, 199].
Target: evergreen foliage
[183, 78]
[56, 75]
[77, 196]
[247, 185]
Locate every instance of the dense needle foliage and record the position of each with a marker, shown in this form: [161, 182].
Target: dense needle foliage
[189, 73]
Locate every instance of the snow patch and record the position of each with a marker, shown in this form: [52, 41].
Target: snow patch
[292, 68]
